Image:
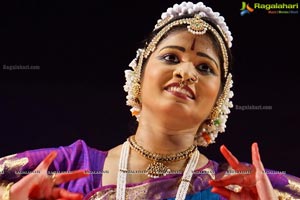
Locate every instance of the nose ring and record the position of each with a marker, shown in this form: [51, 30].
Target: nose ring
[193, 79]
[181, 83]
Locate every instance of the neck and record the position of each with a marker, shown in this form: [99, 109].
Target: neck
[159, 139]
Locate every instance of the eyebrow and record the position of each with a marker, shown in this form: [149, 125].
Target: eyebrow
[201, 54]
[174, 47]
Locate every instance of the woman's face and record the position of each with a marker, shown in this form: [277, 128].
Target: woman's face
[179, 56]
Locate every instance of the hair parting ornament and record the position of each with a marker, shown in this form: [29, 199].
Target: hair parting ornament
[216, 122]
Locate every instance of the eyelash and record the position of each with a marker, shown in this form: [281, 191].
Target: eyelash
[208, 70]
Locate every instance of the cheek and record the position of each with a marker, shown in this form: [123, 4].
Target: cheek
[150, 74]
[155, 76]
[214, 88]
[209, 90]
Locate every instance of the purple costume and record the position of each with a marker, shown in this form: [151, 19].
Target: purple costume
[80, 156]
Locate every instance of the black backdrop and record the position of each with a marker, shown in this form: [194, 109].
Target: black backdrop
[82, 49]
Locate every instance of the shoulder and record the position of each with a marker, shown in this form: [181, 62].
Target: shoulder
[114, 153]
[112, 158]
[82, 151]
[207, 163]
[81, 145]
[77, 148]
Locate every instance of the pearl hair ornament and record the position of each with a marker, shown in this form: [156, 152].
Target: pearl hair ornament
[199, 9]
[216, 122]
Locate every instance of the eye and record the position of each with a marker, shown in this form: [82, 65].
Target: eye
[170, 58]
[205, 69]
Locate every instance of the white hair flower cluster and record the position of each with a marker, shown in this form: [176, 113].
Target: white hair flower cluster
[132, 85]
[202, 11]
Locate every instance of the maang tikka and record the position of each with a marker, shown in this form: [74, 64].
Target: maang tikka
[216, 121]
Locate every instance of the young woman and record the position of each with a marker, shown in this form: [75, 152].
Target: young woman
[179, 89]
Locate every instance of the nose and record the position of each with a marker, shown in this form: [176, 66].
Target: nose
[186, 74]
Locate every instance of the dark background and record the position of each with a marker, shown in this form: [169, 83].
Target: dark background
[82, 50]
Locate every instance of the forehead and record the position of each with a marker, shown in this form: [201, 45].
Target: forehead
[188, 41]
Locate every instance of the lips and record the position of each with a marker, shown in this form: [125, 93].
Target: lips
[182, 92]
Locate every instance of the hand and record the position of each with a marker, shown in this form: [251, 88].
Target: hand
[254, 181]
[42, 186]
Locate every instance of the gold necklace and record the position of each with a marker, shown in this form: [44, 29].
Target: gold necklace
[156, 168]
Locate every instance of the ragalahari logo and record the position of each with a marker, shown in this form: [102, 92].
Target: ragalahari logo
[246, 9]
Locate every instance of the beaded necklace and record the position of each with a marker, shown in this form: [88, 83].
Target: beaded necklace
[122, 173]
[156, 168]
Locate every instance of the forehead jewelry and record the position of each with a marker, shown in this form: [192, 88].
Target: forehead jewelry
[196, 26]
[199, 9]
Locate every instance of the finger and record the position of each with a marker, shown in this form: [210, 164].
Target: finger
[65, 177]
[222, 191]
[60, 193]
[231, 159]
[256, 158]
[265, 190]
[48, 160]
[237, 179]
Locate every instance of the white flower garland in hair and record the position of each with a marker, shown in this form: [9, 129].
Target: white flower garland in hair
[132, 84]
[201, 10]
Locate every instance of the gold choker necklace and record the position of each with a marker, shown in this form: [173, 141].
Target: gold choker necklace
[156, 168]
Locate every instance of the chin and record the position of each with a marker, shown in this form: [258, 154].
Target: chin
[176, 109]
